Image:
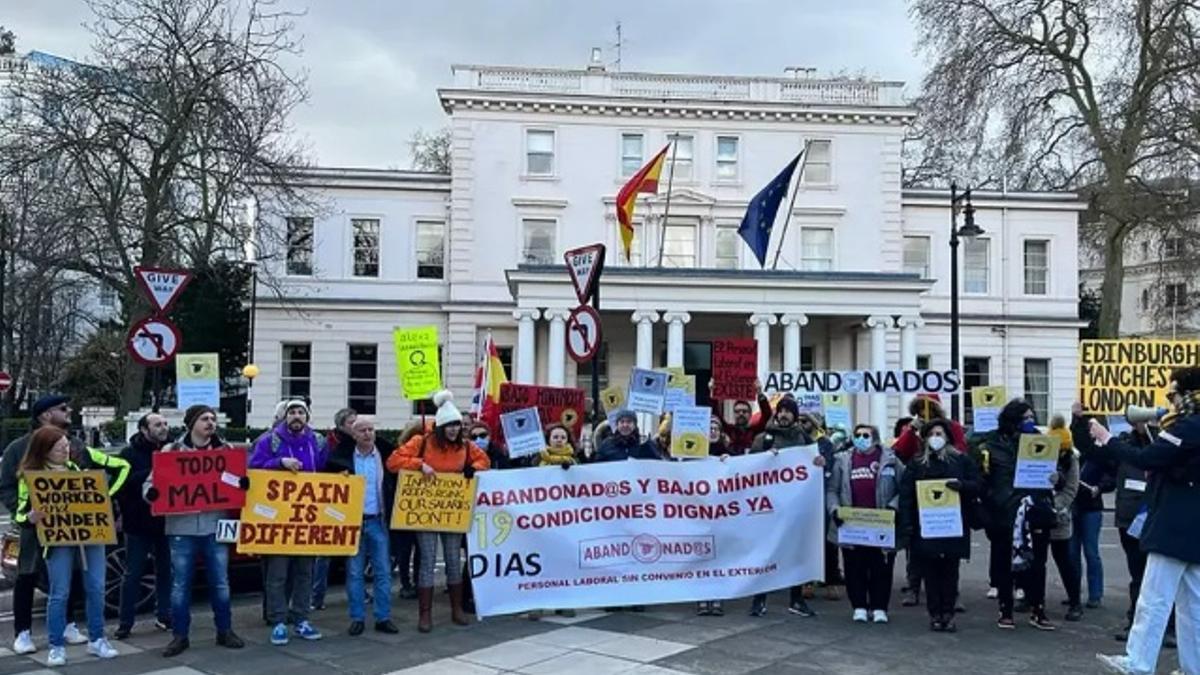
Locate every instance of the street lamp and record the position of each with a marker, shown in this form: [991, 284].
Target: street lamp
[969, 230]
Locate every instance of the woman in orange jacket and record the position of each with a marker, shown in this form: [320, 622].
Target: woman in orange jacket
[446, 450]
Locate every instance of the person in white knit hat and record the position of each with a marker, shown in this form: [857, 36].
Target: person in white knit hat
[446, 450]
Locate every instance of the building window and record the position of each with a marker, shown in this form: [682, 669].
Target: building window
[976, 259]
[366, 246]
[362, 380]
[727, 158]
[633, 152]
[1037, 387]
[539, 152]
[431, 250]
[976, 373]
[295, 380]
[1145, 300]
[923, 362]
[299, 246]
[584, 378]
[816, 249]
[679, 245]
[1176, 296]
[538, 236]
[1173, 248]
[1037, 267]
[683, 156]
[727, 247]
[818, 166]
[916, 256]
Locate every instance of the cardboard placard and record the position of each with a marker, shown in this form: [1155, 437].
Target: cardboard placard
[735, 368]
[196, 481]
[689, 431]
[986, 403]
[939, 509]
[867, 527]
[197, 380]
[302, 514]
[417, 363]
[1037, 459]
[555, 405]
[1115, 374]
[438, 503]
[523, 432]
[647, 391]
[76, 505]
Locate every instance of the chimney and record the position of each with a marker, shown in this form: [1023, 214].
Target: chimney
[597, 63]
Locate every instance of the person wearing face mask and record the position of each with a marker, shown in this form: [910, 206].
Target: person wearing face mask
[1065, 492]
[937, 559]
[1020, 519]
[866, 477]
[813, 425]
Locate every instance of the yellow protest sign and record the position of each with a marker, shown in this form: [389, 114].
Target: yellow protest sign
[302, 514]
[689, 431]
[613, 399]
[988, 397]
[1037, 460]
[867, 527]
[438, 503]
[76, 505]
[1114, 374]
[939, 510]
[417, 362]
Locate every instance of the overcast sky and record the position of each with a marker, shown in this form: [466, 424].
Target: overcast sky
[374, 66]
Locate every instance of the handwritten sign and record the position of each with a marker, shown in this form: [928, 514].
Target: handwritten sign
[556, 405]
[195, 481]
[1037, 459]
[867, 527]
[986, 403]
[647, 391]
[1115, 374]
[939, 509]
[735, 368]
[689, 431]
[302, 513]
[76, 505]
[438, 503]
[417, 361]
[523, 432]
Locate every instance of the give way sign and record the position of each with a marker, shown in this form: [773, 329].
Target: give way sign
[585, 265]
[163, 286]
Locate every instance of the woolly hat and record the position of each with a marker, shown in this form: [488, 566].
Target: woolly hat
[625, 414]
[280, 410]
[297, 403]
[447, 412]
[194, 412]
[788, 403]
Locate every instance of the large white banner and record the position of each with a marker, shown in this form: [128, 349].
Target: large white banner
[643, 532]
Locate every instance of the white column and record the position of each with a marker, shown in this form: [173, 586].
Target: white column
[762, 333]
[908, 351]
[645, 337]
[791, 339]
[879, 326]
[526, 344]
[675, 322]
[556, 371]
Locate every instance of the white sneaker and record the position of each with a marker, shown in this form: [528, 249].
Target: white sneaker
[24, 644]
[102, 649]
[58, 657]
[1019, 594]
[860, 616]
[72, 635]
[1118, 664]
[993, 593]
[879, 616]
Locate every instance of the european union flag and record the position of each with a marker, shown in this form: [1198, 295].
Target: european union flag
[760, 212]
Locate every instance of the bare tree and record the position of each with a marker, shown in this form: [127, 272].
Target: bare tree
[179, 117]
[430, 151]
[8, 42]
[1064, 94]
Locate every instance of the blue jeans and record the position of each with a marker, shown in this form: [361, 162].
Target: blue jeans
[137, 548]
[60, 563]
[373, 546]
[183, 565]
[320, 580]
[1086, 537]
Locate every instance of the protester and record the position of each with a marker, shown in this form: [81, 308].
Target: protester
[363, 456]
[1096, 478]
[1019, 519]
[813, 425]
[1065, 491]
[144, 533]
[626, 442]
[559, 452]
[910, 593]
[937, 558]
[342, 433]
[50, 450]
[866, 477]
[1172, 575]
[446, 450]
[924, 408]
[717, 447]
[406, 557]
[52, 410]
[292, 446]
[781, 433]
[744, 428]
[193, 534]
[280, 409]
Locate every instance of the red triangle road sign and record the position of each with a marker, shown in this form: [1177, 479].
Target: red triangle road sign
[162, 286]
[585, 265]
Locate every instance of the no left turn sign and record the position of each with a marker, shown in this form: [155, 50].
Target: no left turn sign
[153, 341]
[583, 333]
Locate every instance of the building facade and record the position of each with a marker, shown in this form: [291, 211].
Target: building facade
[537, 157]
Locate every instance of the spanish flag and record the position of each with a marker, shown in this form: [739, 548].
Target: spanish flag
[645, 180]
[485, 404]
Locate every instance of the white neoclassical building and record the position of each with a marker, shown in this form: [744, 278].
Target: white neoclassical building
[538, 156]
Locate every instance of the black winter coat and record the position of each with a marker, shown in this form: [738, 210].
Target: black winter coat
[341, 459]
[996, 457]
[908, 520]
[618, 448]
[135, 510]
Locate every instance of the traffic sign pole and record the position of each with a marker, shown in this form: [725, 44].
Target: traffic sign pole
[597, 410]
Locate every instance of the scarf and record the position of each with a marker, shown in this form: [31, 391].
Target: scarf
[1022, 538]
[1189, 404]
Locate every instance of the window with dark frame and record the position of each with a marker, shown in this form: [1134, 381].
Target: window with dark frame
[976, 373]
[366, 246]
[362, 381]
[299, 246]
[296, 374]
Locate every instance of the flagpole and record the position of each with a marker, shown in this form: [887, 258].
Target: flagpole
[788, 218]
[662, 235]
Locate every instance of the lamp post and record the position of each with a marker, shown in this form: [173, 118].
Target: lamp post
[969, 230]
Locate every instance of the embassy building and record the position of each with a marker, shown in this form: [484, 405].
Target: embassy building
[538, 156]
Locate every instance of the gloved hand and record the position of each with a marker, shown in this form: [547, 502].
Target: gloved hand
[954, 484]
[244, 483]
[469, 472]
[152, 494]
[566, 465]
